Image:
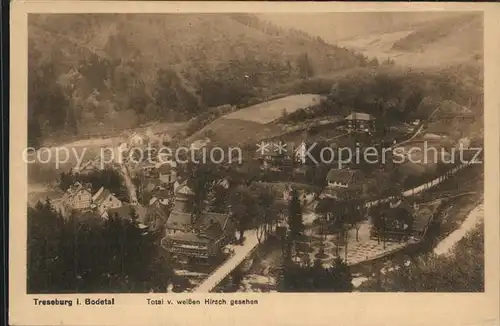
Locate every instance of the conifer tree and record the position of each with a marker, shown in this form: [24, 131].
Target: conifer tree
[295, 219]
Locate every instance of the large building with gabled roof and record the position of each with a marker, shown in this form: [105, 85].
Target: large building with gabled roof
[203, 237]
[357, 121]
[103, 200]
[78, 196]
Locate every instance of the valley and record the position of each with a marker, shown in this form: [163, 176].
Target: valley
[281, 220]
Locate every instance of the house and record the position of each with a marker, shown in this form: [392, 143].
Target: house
[78, 196]
[183, 194]
[178, 183]
[278, 158]
[203, 238]
[136, 140]
[158, 202]
[87, 167]
[344, 178]
[300, 153]
[464, 143]
[161, 196]
[345, 182]
[167, 174]
[165, 138]
[151, 184]
[357, 121]
[149, 169]
[98, 163]
[393, 220]
[307, 153]
[103, 200]
[156, 216]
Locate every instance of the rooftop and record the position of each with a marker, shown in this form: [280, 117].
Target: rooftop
[402, 205]
[101, 195]
[165, 168]
[208, 217]
[76, 188]
[183, 189]
[345, 176]
[161, 193]
[360, 116]
[179, 221]
[188, 237]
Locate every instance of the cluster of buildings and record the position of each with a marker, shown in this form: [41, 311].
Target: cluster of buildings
[348, 178]
[205, 234]
[285, 156]
[81, 202]
[202, 236]
[165, 209]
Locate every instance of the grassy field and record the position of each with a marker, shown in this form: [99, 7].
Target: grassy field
[254, 123]
[232, 132]
[270, 111]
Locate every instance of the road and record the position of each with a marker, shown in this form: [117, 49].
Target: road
[240, 253]
[128, 183]
[419, 130]
[474, 217]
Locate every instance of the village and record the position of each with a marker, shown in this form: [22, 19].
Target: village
[356, 211]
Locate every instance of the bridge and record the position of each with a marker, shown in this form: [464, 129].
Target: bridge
[238, 256]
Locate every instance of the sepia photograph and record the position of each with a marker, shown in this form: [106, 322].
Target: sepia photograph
[253, 152]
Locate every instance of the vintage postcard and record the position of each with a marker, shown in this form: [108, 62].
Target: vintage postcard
[192, 163]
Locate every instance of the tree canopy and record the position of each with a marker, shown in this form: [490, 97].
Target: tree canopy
[462, 270]
[315, 278]
[92, 256]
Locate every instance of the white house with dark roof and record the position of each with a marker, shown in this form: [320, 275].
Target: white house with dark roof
[78, 196]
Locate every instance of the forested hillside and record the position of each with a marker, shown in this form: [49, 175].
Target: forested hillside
[396, 94]
[462, 31]
[97, 73]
